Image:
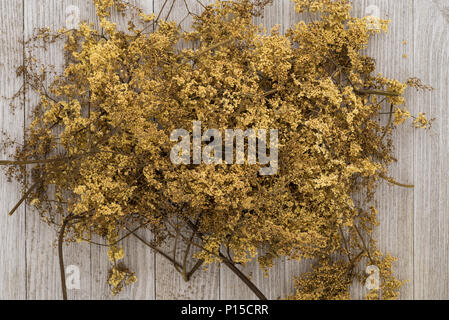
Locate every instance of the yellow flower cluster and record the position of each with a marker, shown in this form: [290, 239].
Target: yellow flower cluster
[120, 277]
[100, 137]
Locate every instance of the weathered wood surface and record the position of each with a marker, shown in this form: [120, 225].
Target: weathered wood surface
[414, 223]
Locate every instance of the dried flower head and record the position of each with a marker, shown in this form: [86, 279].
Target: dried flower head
[98, 146]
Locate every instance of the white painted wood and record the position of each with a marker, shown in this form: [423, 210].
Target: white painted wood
[12, 229]
[41, 256]
[395, 205]
[431, 156]
[414, 223]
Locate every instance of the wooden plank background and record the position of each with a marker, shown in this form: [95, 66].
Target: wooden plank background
[414, 223]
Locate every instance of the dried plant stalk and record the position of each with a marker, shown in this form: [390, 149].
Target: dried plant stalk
[100, 136]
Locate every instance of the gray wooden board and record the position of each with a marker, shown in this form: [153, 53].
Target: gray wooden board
[414, 223]
[12, 229]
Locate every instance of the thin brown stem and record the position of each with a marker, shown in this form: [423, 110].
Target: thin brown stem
[243, 277]
[186, 254]
[378, 92]
[175, 263]
[170, 10]
[119, 240]
[61, 259]
[25, 162]
[213, 47]
[392, 181]
[232, 267]
[365, 247]
[195, 268]
[24, 197]
[61, 254]
[348, 253]
[175, 247]
[270, 92]
[390, 120]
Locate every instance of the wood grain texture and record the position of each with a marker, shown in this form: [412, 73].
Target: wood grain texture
[431, 157]
[414, 223]
[41, 256]
[395, 204]
[12, 229]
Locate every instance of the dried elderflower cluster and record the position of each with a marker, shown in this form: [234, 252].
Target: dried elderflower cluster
[98, 148]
